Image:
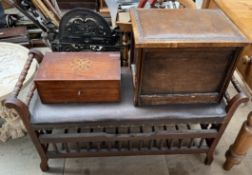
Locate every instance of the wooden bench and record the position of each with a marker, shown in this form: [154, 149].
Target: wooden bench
[121, 129]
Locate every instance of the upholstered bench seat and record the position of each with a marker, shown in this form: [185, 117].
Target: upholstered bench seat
[122, 111]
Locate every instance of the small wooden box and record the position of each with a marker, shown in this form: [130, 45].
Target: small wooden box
[79, 77]
[183, 56]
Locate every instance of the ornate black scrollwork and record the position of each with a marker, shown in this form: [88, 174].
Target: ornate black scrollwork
[82, 29]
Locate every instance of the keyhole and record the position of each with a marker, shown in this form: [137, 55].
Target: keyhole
[79, 93]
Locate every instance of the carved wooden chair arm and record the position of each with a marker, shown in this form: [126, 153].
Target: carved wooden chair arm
[12, 101]
[20, 107]
[33, 54]
[237, 100]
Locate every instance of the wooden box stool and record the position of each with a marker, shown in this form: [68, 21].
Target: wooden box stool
[183, 56]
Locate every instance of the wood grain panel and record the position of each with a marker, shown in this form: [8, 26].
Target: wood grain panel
[240, 12]
[185, 70]
[79, 77]
[79, 91]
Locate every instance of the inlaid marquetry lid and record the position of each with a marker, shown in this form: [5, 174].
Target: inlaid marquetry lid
[159, 28]
[64, 66]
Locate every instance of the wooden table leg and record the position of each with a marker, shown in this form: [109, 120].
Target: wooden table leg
[205, 4]
[242, 144]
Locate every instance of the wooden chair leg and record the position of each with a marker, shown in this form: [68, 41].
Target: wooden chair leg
[40, 148]
[242, 144]
[209, 159]
[44, 165]
[24, 114]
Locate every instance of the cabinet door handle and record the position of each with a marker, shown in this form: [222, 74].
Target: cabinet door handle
[247, 59]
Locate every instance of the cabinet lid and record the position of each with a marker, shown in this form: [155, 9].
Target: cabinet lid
[71, 66]
[160, 28]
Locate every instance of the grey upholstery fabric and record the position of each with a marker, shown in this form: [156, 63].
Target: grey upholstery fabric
[124, 110]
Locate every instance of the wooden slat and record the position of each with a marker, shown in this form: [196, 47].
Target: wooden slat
[169, 143]
[66, 147]
[78, 147]
[55, 147]
[161, 143]
[98, 145]
[94, 137]
[140, 145]
[180, 142]
[191, 143]
[104, 153]
[151, 143]
[109, 145]
[129, 145]
[133, 123]
[201, 142]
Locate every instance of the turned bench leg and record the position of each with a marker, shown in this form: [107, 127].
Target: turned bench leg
[242, 144]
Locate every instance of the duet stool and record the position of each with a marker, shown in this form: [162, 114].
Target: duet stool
[121, 129]
[183, 56]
